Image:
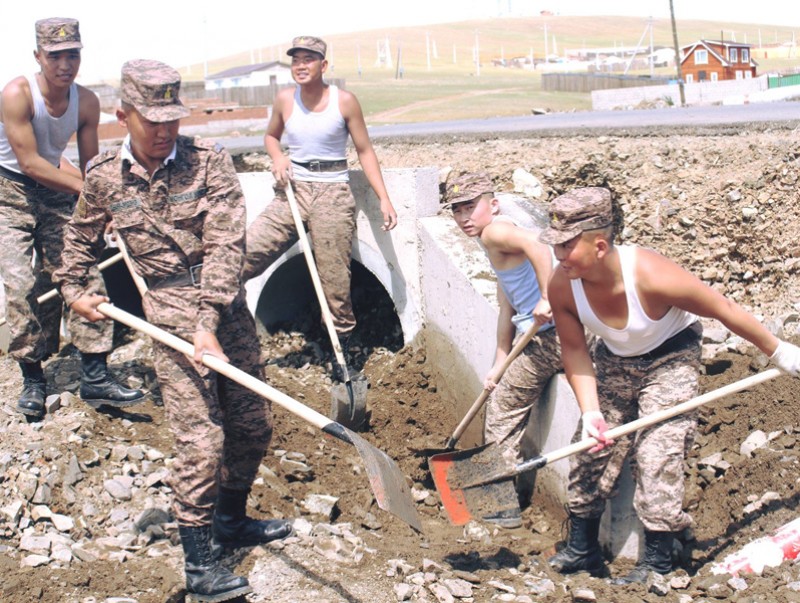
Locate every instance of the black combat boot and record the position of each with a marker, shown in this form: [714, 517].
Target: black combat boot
[582, 553]
[99, 387]
[34, 386]
[233, 528]
[657, 558]
[206, 579]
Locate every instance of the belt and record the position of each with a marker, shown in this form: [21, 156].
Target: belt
[318, 165]
[190, 278]
[675, 342]
[18, 178]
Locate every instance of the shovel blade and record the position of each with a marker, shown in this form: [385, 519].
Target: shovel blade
[349, 404]
[454, 473]
[387, 482]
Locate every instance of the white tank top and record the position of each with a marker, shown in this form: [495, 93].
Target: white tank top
[52, 133]
[641, 334]
[320, 136]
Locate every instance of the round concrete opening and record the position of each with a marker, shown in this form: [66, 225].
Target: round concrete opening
[288, 302]
[120, 286]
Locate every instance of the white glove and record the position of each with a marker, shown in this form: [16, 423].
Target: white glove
[787, 358]
[591, 421]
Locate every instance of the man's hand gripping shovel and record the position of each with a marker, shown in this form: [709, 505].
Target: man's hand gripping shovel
[479, 482]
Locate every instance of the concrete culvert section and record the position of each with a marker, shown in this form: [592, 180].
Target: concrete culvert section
[289, 303]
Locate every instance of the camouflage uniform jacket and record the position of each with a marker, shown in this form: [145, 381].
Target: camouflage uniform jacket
[190, 211]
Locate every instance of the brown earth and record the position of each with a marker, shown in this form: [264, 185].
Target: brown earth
[676, 195]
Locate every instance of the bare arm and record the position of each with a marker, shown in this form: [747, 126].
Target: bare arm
[574, 352]
[505, 338]
[88, 120]
[17, 108]
[354, 118]
[281, 165]
[506, 238]
[662, 283]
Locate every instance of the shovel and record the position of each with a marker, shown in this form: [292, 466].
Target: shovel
[4, 332]
[388, 484]
[479, 482]
[54, 292]
[479, 402]
[348, 400]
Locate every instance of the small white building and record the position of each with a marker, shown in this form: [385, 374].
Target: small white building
[260, 74]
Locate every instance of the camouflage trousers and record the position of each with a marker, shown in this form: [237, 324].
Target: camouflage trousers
[221, 428]
[630, 388]
[33, 218]
[510, 404]
[329, 210]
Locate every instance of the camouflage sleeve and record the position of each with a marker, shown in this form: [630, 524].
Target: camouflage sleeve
[223, 240]
[83, 243]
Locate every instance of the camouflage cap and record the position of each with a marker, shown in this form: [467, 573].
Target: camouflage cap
[57, 34]
[466, 187]
[578, 210]
[308, 43]
[153, 89]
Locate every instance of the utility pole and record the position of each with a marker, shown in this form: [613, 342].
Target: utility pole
[677, 54]
[428, 49]
[398, 73]
[477, 56]
[205, 47]
[652, 58]
[546, 51]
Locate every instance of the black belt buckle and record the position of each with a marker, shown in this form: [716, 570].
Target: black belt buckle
[194, 273]
[314, 165]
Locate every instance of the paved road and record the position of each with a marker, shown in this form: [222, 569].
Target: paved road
[787, 113]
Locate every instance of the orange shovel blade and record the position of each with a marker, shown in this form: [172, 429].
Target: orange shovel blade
[464, 503]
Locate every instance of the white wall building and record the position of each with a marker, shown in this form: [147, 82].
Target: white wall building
[260, 74]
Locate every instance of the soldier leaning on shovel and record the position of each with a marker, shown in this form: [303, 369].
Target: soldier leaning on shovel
[178, 207]
[317, 119]
[644, 309]
[523, 266]
[38, 189]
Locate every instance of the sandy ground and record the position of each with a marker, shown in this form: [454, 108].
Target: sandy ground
[676, 194]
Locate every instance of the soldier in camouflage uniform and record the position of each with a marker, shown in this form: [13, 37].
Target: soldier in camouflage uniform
[38, 189]
[523, 267]
[316, 119]
[644, 310]
[178, 206]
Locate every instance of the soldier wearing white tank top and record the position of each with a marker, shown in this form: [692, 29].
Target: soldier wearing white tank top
[38, 189]
[315, 119]
[643, 308]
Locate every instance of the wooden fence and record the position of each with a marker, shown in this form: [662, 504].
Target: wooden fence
[586, 82]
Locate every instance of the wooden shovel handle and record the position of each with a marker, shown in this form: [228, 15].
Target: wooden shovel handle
[54, 292]
[140, 283]
[484, 395]
[649, 420]
[312, 268]
[218, 365]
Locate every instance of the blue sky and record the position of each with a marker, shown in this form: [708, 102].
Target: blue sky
[176, 34]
